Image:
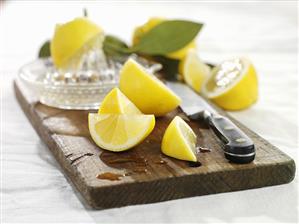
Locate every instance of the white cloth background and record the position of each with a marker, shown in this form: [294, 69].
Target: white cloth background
[33, 188]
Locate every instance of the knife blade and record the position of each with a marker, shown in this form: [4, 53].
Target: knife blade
[238, 147]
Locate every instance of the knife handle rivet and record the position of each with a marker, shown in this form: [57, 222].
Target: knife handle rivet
[228, 128]
[240, 140]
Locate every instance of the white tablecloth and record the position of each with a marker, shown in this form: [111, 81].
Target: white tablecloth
[33, 188]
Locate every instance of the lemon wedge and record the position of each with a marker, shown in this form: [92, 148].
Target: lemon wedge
[71, 38]
[194, 71]
[115, 102]
[150, 24]
[147, 92]
[179, 140]
[233, 84]
[119, 132]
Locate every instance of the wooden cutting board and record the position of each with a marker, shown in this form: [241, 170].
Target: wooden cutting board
[144, 174]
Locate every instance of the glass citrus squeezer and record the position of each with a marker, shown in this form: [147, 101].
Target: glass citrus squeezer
[83, 83]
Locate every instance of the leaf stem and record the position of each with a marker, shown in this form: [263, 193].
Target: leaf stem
[85, 13]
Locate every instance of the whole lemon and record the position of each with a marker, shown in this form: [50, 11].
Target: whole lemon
[150, 24]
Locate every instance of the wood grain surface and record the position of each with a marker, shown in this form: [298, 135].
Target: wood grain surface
[145, 174]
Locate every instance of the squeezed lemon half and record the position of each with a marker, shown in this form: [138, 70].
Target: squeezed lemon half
[147, 92]
[72, 39]
[115, 102]
[232, 85]
[193, 70]
[119, 132]
[179, 140]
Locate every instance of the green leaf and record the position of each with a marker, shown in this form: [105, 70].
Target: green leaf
[115, 43]
[115, 47]
[44, 51]
[167, 37]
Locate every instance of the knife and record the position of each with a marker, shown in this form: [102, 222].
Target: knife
[237, 146]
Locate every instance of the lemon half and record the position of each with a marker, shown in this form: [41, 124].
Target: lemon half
[179, 140]
[147, 92]
[119, 132]
[233, 84]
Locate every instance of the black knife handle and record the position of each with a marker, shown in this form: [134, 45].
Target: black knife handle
[238, 147]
